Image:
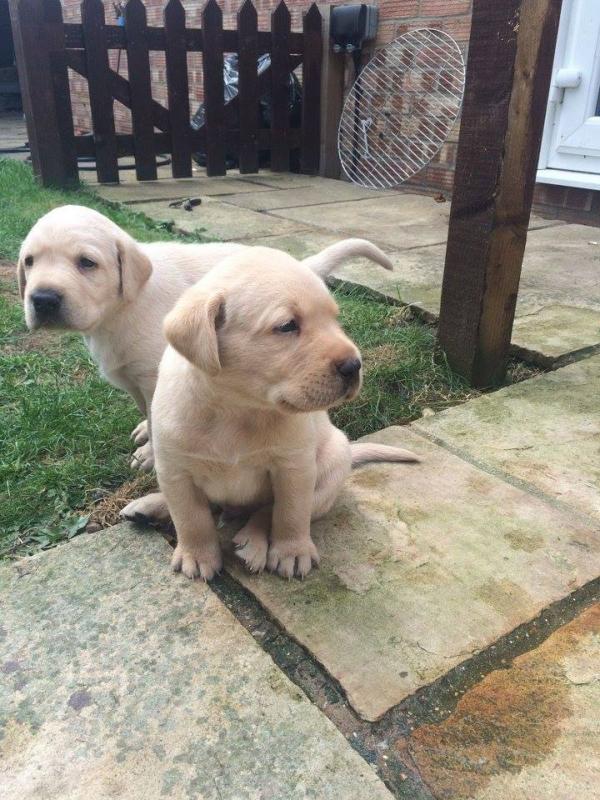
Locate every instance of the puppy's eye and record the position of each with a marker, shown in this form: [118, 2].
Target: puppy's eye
[29, 261]
[86, 263]
[288, 327]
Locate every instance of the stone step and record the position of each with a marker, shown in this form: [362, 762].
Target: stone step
[544, 432]
[122, 680]
[422, 566]
[528, 732]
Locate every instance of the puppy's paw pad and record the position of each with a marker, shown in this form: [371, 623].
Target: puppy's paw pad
[140, 433]
[251, 548]
[292, 558]
[198, 562]
[143, 458]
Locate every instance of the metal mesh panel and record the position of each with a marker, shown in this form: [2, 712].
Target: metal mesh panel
[401, 109]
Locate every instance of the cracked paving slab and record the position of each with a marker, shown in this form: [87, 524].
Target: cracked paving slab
[544, 431]
[122, 680]
[422, 566]
[528, 732]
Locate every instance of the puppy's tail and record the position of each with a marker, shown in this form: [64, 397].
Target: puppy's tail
[327, 260]
[369, 452]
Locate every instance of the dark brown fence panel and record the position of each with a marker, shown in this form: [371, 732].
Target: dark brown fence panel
[138, 65]
[248, 87]
[311, 91]
[214, 103]
[46, 47]
[177, 87]
[42, 66]
[280, 72]
[99, 86]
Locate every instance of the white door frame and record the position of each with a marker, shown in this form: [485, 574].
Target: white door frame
[545, 174]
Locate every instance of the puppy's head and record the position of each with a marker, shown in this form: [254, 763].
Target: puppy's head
[76, 267]
[265, 328]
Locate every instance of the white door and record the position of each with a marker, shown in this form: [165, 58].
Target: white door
[571, 146]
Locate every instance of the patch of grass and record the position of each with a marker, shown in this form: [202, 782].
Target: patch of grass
[64, 432]
[23, 202]
[404, 372]
[64, 435]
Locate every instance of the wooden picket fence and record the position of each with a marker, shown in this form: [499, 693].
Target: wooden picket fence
[46, 47]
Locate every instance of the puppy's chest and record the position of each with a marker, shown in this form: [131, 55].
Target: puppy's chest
[231, 463]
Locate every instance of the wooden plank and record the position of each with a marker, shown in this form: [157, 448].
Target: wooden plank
[280, 93]
[214, 103]
[41, 62]
[117, 38]
[177, 88]
[248, 87]
[162, 142]
[101, 101]
[138, 65]
[119, 88]
[311, 92]
[508, 76]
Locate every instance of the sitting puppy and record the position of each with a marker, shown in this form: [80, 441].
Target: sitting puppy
[78, 270]
[240, 412]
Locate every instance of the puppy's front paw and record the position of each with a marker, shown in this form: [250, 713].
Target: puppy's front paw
[202, 561]
[251, 546]
[143, 458]
[289, 557]
[140, 433]
[150, 508]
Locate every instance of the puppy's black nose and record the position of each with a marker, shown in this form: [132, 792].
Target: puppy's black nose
[46, 302]
[349, 368]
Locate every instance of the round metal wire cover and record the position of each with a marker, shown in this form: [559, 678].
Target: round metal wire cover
[401, 109]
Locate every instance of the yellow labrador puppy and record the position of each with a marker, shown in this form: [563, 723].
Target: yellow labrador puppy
[257, 357]
[78, 270]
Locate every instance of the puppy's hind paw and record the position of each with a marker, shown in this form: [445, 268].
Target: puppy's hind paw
[251, 547]
[143, 458]
[150, 508]
[140, 433]
[289, 558]
[202, 561]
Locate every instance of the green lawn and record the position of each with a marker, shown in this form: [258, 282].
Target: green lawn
[64, 433]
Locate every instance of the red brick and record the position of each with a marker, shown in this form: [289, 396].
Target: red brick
[444, 8]
[579, 199]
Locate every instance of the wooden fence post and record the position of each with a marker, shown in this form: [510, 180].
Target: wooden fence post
[41, 63]
[508, 76]
[333, 74]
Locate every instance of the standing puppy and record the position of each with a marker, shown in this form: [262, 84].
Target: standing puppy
[257, 357]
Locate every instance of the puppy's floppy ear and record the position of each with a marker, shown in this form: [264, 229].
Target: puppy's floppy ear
[191, 328]
[133, 264]
[21, 277]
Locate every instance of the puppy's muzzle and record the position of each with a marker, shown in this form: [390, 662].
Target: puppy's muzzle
[47, 305]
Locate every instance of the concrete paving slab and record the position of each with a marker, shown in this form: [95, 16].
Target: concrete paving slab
[219, 221]
[333, 192]
[421, 566]
[172, 189]
[122, 680]
[282, 180]
[529, 732]
[396, 220]
[544, 432]
[551, 334]
[400, 221]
